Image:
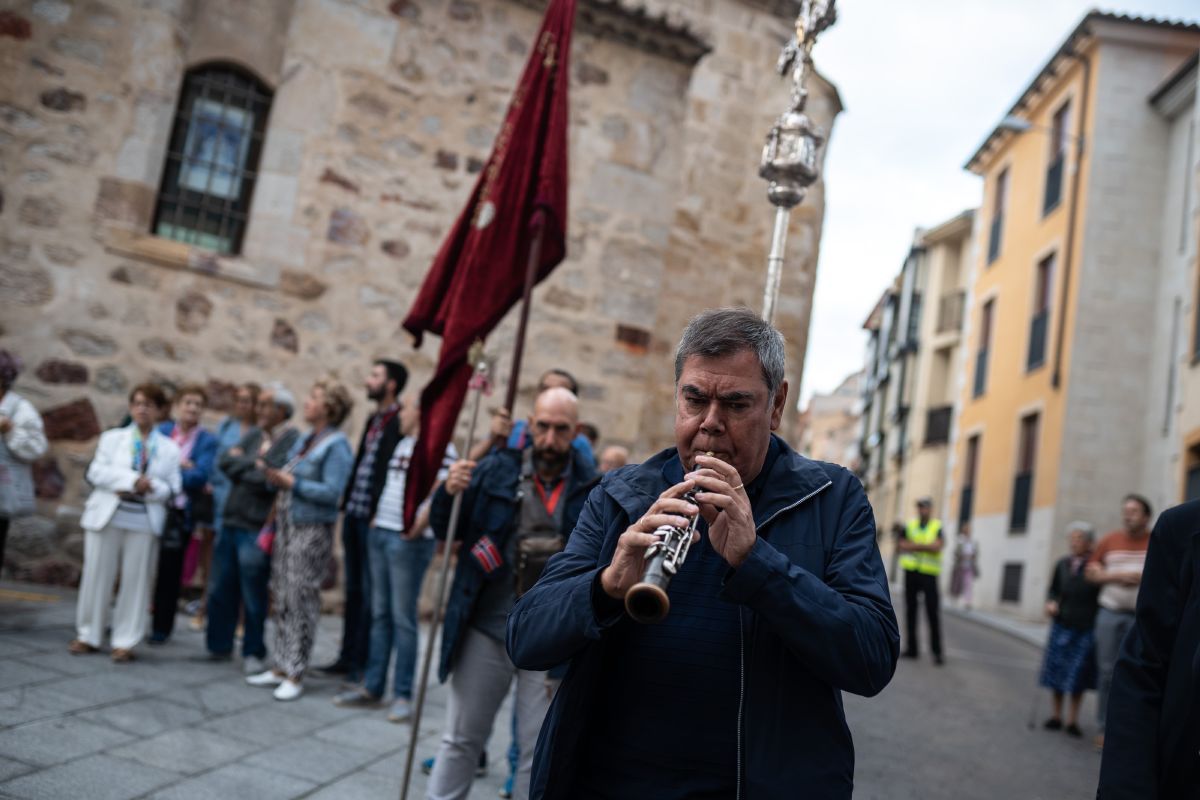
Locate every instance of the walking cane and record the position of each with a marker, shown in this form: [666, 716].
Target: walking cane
[479, 380]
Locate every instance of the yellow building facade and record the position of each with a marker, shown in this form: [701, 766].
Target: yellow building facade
[1060, 342]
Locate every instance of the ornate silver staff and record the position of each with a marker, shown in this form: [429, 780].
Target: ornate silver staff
[480, 385]
[789, 159]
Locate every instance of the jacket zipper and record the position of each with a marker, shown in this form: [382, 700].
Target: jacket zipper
[742, 641]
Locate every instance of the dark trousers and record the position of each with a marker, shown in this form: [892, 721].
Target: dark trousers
[356, 613]
[240, 575]
[916, 583]
[166, 587]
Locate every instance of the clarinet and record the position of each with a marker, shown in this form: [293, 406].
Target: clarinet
[647, 601]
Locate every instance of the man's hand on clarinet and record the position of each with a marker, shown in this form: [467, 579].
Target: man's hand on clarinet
[726, 508]
[628, 565]
[459, 477]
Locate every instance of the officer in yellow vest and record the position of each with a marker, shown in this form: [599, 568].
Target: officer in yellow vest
[921, 560]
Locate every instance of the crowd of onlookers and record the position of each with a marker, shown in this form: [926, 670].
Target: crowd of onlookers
[247, 510]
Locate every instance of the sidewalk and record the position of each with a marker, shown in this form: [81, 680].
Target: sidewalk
[171, 725]
[1033, 633]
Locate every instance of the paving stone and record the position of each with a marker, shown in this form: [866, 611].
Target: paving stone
[311, 759]
[145, 717]
[14, 673]
[367, 786]
[236, 781]
[186, 750]
[319, 706]
[13, 644]
[53, 741]
[376, 736]
[18, 706]
[97, 777]
[224, 696]
[261, 725]
[11, 769]
[110, 686]
[59, 661]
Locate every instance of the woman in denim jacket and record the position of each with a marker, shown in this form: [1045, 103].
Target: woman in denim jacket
[306, 508]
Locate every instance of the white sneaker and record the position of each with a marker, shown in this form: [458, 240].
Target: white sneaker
[288, 690]
[252, 665]
[265, 678]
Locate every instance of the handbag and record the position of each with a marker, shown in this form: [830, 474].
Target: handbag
[533, 552]
[175, 532]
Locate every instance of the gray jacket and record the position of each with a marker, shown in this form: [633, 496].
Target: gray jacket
[250, 496]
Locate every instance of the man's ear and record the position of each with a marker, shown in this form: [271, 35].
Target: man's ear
[777, 405]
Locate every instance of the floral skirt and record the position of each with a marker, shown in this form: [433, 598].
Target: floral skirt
[1069, 663]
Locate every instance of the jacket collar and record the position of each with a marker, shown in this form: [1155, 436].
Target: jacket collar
[581, 476]
[792, 480]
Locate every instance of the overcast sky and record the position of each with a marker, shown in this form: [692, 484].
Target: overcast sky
[923, 85]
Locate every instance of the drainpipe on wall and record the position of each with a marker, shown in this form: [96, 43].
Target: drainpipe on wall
[1072, 219]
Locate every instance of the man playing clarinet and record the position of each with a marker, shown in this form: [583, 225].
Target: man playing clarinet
[781, 604]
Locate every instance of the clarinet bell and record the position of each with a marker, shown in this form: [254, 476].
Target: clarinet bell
[647, 602]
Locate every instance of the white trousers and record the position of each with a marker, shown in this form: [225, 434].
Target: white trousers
[481, 678]
[103, 551]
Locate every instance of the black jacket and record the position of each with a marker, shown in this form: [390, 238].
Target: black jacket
[383, 453]
[489, 508]
[250, 496]
[1152, 735]
[818, 621]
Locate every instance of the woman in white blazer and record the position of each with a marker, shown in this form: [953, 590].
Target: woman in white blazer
[134, 473]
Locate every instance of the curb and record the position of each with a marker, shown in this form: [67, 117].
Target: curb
[1017, 630]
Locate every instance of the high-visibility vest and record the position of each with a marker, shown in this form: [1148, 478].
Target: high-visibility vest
[925, 563]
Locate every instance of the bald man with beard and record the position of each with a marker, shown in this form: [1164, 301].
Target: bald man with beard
[518, 507]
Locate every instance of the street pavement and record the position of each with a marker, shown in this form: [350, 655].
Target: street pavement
[172, 726]
[961, 731]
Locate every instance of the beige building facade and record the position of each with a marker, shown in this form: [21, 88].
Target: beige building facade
[332, 143]
[832, 423]
[913, 361]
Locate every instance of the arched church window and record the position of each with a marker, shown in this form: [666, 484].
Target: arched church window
[212, 158]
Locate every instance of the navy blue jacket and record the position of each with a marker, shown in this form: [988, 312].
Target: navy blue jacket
[818, 620]
[489, 507]
[1152, 735]
[203, 458]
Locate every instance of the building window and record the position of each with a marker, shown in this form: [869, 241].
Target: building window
[970, 468]
[937, 425]
[986, 318]
[1010, 585]
[1057, 160]
[999, 197]
[212, 158]
[1039, 325]
[1022, 495]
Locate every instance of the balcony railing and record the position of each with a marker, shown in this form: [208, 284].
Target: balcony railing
[1022, 495]
[950, 311]
[937, 425]
[1054, 177]
[1037, 340]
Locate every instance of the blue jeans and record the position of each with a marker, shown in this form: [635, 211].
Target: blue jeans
[397, 568]
[241, 572]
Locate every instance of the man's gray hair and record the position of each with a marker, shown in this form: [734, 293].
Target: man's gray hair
[1085, 528]
[726, 331]
[282, 397]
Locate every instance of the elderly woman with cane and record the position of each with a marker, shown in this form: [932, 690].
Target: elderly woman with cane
[1069, 663]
